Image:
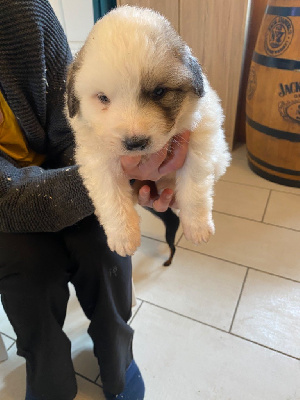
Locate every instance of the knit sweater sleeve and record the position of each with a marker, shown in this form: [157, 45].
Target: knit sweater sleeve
[33, 62]
[33, 199]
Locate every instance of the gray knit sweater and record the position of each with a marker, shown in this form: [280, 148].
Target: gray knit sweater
[33, 57]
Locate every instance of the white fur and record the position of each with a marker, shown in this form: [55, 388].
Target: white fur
[123, 47]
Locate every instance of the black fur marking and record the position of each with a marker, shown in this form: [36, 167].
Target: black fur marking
[169, 103]
[172, 107]
[192, 63]
[72, 100]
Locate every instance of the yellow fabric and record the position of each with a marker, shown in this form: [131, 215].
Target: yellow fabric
[12, 140]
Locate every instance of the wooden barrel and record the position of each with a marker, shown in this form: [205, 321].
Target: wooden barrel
[273, 96]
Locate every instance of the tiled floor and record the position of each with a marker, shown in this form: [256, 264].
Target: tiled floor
[221, 323]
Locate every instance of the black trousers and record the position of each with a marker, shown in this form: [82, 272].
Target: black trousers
[34, 273]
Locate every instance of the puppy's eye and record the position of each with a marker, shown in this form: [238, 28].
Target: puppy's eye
[103, 98]
[159, 92]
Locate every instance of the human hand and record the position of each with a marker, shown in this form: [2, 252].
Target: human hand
[167, 160]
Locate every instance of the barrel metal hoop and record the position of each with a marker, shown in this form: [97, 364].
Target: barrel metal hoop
[271, 177]
[284, 135]
[273, 167]
[279, 63]
[283, 11]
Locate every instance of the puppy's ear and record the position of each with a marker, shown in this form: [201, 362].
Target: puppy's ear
[197, 77]
[72, 100]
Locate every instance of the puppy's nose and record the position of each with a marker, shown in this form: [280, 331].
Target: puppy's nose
[136, 143]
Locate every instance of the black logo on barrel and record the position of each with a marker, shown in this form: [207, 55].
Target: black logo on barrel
[279, 36]
[290, 108]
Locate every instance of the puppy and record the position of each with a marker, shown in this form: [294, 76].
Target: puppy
[131, 89]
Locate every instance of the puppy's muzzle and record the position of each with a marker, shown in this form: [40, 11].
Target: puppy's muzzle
[134, 143]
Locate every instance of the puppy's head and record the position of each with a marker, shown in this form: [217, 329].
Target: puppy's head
[134, 84]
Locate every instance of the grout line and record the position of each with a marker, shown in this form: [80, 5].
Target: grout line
[268, 200]
[14, 343]
[239, 299]
[277, 276]
[240, 265]
[9, 337]
[237, 216]
[240, 217]
[234, 216]
[242, 184]
[133, 317]
[88, 379]
[255, 220]
[183, 316]
[98, 376]
[281, 226]
[221, 330]
[226, 260]
[261, 187]
[265, 346]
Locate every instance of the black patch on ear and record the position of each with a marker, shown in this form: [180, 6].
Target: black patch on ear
[192, 63]
[72, 100]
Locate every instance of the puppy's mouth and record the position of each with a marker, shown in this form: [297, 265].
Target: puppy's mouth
[137, 144]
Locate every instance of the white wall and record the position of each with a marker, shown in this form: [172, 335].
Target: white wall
[77, 19]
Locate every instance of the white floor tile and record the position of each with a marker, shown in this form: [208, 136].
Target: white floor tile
[182, 359]
[7, 341]
[284, 210]
[194, 285]
[5, 325]
[88, 390]
[240, 200]
[13, 381]
[269, 313]
[254, 244]
[135, 309]
[12, 377]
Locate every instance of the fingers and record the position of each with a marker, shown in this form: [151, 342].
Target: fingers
[149, 168]
[159, 203]
[144, 196]
[177, 155]
[170, 158]
[144, 169]
[130, 165]
[164, 200]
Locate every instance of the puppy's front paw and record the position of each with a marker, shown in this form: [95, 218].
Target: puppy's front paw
[126, 239]
[197, 230]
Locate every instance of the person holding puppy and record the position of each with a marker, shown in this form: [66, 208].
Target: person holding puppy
[49, 235]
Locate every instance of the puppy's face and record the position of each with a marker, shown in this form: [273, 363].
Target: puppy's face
[134, 84]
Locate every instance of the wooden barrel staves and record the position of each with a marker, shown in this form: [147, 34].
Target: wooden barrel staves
[273, 96]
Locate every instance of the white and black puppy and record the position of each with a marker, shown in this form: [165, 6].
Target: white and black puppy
[133, 86]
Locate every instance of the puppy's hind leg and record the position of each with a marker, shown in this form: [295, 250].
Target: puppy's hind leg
[171, 222]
